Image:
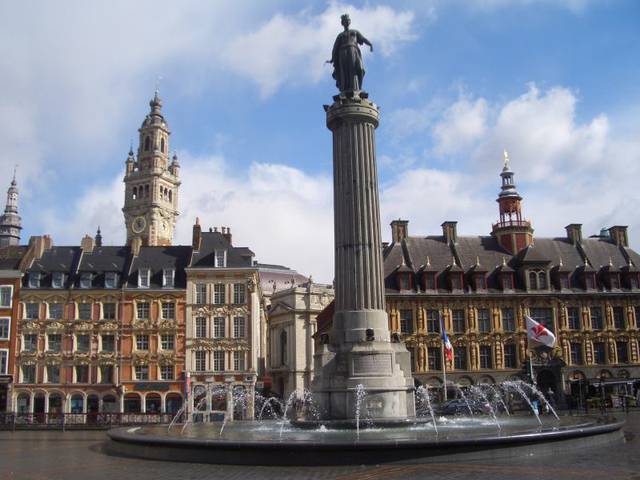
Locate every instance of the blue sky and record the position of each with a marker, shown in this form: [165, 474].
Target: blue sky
[243, 84]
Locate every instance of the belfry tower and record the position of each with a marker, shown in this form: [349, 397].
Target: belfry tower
[10, 221]
[151, 183]
[513, 233]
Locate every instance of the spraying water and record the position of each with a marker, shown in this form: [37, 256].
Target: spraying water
[518, 388]
[361, 393]
[479, 391]
[423, 394]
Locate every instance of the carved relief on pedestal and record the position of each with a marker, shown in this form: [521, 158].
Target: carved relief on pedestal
[168, 325]
[29, 326]
[141, 325]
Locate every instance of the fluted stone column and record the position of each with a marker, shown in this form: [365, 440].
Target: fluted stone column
[359, 350]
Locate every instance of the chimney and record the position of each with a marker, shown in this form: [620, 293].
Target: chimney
[619, 235]
[450, 232]
[197, 235]
[136, 244]
[399, 230]
[87, 243]
[574, 233]
[39, 244]
[226, 233]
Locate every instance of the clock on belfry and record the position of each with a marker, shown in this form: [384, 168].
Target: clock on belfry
[138, 224]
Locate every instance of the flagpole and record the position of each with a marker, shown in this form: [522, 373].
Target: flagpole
[442, 347]
[444, 371]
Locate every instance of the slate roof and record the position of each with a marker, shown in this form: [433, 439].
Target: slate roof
[11, 256]
[157, 259]
[211, 242]
[555, 254]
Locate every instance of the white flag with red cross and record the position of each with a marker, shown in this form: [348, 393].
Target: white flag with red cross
[539, 333]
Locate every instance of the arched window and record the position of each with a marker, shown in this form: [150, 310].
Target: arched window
[147, 144]
[135, 193]
[542, 280]
[533, 281]
[162, 145]
[283, 348]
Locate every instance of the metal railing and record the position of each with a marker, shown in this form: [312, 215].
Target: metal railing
[21, 421]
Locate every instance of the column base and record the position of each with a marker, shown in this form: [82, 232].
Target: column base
[382, 368]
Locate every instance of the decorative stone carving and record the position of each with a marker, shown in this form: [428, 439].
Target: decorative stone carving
[83, 327]
[168, 325]
[55, 327]
[167, 358]
[220, 344]
[142, 325]
[108, 326]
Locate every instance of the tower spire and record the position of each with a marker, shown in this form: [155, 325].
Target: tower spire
[10, 221]
[151, 182]
[512, 231]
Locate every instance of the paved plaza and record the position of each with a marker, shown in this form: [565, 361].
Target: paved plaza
[30, 455]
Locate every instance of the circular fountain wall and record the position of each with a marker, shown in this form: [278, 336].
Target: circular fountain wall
[273, 442]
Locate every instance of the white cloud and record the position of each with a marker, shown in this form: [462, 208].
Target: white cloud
[283, 214]
[293, 48]
[567, 170]
[463, 123]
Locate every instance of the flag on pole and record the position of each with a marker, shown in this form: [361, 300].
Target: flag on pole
[539, 333]
[448, 348]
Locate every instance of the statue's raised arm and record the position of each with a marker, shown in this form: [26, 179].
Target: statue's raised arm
[348, 68]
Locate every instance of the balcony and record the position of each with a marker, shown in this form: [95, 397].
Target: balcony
[512, 223]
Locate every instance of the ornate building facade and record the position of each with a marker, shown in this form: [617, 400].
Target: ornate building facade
[292, 323]
[586, 290]
[151, 183]
[224, 328]
[99, 329]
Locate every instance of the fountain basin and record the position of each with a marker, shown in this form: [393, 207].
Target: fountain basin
[275, 443]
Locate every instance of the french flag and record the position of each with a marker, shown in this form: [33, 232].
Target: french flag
[448, 348]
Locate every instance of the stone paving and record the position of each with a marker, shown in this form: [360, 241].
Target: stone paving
[30, 455]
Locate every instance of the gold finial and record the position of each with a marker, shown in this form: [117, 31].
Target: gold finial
[506, 156]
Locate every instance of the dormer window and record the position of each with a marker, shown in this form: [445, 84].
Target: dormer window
[85, 280]
[564, 281]
[537, 280]
[633, 281]
[34, 279]
[220, 258]
[57, 280]
[507, 281]
[456, 281]
[144, 275]
[404, 281]
[480, 281]
[590, 281]
[110, 280]
[614, 281]
[168, 276]
[429, 281]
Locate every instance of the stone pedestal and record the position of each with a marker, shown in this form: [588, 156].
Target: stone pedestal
[359, 350]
